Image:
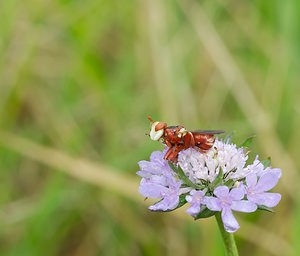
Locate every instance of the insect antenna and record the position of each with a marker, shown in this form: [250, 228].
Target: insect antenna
[150, 119]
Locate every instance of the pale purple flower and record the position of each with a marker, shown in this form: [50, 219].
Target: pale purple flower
[226, 201]
[256, 187]
[169, 195]
[196, 198]
[159, 181]
[156, 166]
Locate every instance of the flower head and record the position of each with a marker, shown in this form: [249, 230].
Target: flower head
[206, 166]
[218, 180]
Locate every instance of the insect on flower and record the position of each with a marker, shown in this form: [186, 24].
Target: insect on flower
[177, 138]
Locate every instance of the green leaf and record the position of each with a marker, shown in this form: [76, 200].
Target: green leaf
[183, 177]
[205, 213]
[265, 208]
[266, 162]
[247, 143]
[218, 180]
[229, 183]
[182, 201]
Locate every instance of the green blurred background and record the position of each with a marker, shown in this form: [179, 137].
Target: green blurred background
[79, 78]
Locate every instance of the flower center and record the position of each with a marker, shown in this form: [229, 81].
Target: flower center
[225, 202]
[198, 198]
[250, 191]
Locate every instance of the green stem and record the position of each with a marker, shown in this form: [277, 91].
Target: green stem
[228, 239]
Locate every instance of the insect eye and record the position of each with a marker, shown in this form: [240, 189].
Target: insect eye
[156, 134]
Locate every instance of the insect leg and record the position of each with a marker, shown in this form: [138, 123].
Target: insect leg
[169, 155]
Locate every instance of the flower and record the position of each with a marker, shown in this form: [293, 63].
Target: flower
[256, 188]
[159, 181]
[169, 195]
[156, 166]
[226, 201]
[196, 198]
[217, 180]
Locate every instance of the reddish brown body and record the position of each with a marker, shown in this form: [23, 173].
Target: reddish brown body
[177, 138]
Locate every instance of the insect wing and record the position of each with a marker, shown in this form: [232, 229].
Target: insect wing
[207, 132]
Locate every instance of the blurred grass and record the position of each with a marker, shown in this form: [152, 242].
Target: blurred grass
[79, 79]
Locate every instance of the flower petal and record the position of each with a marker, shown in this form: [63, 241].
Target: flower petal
[143, 164]
[266, 182]
[221, 191]
[157, 156]
[213, 203]
[230, 223]
[149, 168]
[193, 210]
[150, 189]
[243, 206]
[268, 199]
[237, 193]
[189, 198]
[251, 180]
[276, 171]
[184, 190]
[168, 203]
[193, 192]
[198, 194]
